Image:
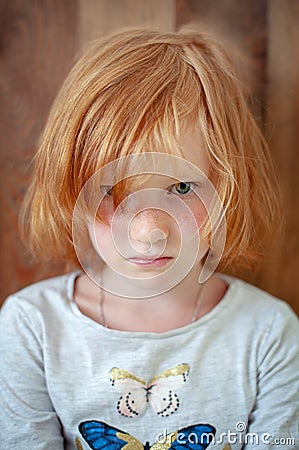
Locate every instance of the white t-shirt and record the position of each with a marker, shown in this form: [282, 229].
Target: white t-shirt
[67, 382]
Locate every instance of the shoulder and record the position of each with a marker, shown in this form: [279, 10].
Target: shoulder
[43, 295]
[257, 309]
[262, 327]
[247, 296]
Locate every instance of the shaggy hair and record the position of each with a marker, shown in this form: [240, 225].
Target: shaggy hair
[135, 91]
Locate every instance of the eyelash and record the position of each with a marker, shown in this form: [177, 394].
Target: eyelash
[107, 190]
[189, 185]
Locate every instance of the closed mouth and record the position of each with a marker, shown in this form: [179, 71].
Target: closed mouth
[152, 261]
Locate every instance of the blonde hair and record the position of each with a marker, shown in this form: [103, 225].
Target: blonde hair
[133, 91]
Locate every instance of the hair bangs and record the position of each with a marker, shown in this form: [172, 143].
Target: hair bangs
[137, 92]
[145, 111]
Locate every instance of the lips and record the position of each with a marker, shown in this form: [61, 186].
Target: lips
[151, 262]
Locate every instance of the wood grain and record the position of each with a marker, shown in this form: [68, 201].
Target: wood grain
[38, 40]
[282, 128]
[101, 17]
[241, 25]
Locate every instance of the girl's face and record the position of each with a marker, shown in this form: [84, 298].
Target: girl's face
[154, 234]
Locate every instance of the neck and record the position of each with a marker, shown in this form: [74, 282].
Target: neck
[169, 310]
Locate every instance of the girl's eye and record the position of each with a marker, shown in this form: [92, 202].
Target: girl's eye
[106, 191]
[181, 188]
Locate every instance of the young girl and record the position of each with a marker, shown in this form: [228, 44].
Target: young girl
[151, 173]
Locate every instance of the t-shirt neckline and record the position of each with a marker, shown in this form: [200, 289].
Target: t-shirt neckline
[217, 310]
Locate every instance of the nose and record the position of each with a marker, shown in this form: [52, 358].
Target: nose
[150, 226]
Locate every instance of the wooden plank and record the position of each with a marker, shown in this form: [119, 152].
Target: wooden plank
[242, 26]
[101, 17]
[267, 33]
[283, 133]
[38, 42]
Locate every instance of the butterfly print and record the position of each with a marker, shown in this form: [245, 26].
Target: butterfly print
[159, 392]
[100, 435]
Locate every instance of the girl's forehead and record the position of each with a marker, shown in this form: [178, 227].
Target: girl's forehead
[194, 151]
[192, 156]
[189, 161]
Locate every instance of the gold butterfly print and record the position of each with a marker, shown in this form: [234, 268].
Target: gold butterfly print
[159, 392]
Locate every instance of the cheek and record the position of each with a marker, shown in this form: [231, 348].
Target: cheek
[192, 224]
[200, 215]
[101, 237]
[105, 211]
[193, 217]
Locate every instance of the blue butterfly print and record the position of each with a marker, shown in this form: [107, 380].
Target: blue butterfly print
[100, 435]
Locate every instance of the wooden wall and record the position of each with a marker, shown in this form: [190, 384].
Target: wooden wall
[41, 38]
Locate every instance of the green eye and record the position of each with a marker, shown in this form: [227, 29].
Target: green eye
[106, 190]
[181, 188]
